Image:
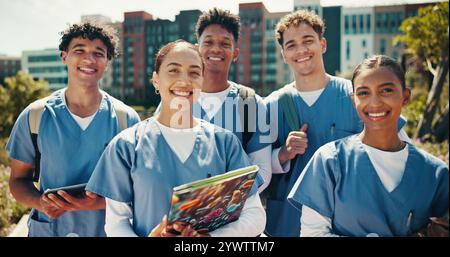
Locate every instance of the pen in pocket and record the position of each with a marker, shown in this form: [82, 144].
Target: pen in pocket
[408, 221]
[332, 129]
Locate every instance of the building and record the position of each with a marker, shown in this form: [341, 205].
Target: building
[157, 33]
[260, 64]
[9, 66]
[358, 36]
[45, 64]
[371, 30]
[310, 5]
[186, 21]
[134, 53]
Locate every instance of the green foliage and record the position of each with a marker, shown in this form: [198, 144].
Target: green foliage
[426, 35]
[438, 150]
[10, 210]
[18, 92]
[143, 112]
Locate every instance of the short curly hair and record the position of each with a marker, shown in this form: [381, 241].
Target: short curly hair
[297, 18]
[224, 18]
[91, 31]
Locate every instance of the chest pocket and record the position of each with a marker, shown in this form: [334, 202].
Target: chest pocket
[338, 131]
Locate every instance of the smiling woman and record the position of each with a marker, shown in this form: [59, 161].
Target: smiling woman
[178, 77]
[139, 168]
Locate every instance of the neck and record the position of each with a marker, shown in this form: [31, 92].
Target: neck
[381, 140]
[83, 101]
[215, 82]
[311, 82]
[178, 119]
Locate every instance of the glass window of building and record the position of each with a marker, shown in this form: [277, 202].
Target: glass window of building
[361, 24]
[368, 23]
[382, 46]
[347, 50]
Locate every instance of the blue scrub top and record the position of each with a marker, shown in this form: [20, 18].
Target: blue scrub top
[341, 183]
[139, 167]
[229, 117]
[68, 157]
[331, 117]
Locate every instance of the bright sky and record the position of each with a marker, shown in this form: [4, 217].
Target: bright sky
[35, 24]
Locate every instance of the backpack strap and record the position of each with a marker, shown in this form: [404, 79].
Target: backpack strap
[246, 98]
[289, 110]
[34, 121]
[121, 111]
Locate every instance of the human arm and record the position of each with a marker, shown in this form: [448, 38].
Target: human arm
[117, 219]
[262, 159]
[24, 191]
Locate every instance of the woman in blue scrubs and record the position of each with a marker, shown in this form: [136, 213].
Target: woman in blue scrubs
[372, 184]
[141, 166]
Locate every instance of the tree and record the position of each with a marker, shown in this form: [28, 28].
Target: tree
[18, 93]
[426, 38]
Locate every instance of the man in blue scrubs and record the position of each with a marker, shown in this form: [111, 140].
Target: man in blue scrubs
[217, 35]
[322, 105]
[76, 124]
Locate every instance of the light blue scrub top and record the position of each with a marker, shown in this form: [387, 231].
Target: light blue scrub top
[341, 183]
[331, 117]
[68, 157]
[139, 167]
[229, 117]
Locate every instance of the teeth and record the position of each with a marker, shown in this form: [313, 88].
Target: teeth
[215, 58]
[87, 70]
[303, 59]
[377, 114]
[182, 93]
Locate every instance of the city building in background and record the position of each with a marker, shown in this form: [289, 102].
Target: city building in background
[45, 64]
[352, 33]
[9, 66]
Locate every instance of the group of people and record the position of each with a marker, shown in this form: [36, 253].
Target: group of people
[333, 158]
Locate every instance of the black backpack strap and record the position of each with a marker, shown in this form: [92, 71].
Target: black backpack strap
[247, 100]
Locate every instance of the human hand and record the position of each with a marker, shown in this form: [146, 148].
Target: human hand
[177, 229]
[296, 143]
[49, 208]
[65, 201]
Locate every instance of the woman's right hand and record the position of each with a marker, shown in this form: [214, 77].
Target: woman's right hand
[163, 230]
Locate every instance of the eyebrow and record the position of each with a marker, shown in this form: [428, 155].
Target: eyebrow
[387, 84]
[225, 37]
[83, 45]
[179, 65]
[382, 84]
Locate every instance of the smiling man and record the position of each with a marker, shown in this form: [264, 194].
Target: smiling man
[76, 123]
[322, 105]
[221, 100]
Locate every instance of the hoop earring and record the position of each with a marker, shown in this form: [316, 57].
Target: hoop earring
[156, 91]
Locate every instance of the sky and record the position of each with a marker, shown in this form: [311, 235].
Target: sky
[35, 24]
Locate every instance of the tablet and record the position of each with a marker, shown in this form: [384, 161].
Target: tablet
[74, 190]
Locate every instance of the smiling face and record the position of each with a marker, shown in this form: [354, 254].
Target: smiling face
[379, 98]
[180, 76]
[86, 61]
[302, 50]
[217, 47]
